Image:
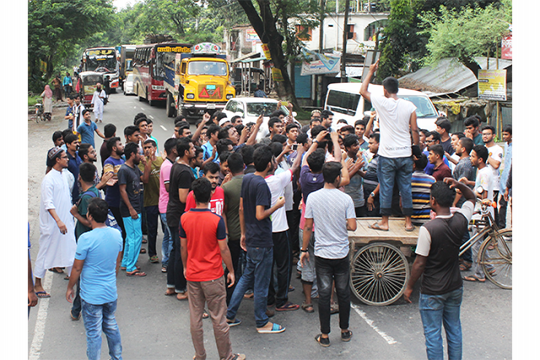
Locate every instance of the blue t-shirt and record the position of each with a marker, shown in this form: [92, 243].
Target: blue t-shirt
[112, 195]
[70, 111]
[255, 192]
[87, 133]
[207, 151]
[99, 249]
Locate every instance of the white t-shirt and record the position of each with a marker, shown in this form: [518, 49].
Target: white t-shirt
[496, 153]
[484, 178]
[394, 120]
[277, 184]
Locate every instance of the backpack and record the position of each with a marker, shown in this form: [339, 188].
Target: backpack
[111, 220]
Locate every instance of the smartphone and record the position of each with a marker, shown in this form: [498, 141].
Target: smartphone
[294, 147]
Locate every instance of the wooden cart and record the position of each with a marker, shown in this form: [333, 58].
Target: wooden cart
[379, 266]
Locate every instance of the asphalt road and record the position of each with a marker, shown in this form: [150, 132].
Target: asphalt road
[154, 326]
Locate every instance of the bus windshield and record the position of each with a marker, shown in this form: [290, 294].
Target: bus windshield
[101, 64]
[207, 68]
[129, 65]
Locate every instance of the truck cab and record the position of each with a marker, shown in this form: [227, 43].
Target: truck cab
[201, 82]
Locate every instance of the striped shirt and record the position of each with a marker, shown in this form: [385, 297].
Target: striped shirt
[421, 187]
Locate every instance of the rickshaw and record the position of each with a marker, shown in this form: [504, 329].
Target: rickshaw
[89, 80]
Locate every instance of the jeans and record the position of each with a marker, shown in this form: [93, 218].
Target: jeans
[166, 244]
[390, 170]
[133, 242]
[328, 271]
[282, 263]
[436, 310]
[175, 269]
[256, 275]
[502, 212]
[152, 214]
[98, 318]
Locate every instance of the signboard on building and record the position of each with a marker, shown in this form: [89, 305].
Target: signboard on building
[251, 35]
[506, 47]
[492, 85]
[318, 64]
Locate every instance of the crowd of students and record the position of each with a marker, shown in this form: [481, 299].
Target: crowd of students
[223, 196]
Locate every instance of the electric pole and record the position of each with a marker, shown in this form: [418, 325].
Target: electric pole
[345, 38]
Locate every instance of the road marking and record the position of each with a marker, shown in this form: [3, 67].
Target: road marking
[163, 127]
[39, 330]
[151, 117]
[142, 108]
[390, 340]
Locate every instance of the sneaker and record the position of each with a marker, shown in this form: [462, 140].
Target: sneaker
[234, 322]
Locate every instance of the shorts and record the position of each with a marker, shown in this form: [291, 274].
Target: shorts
[308, 270]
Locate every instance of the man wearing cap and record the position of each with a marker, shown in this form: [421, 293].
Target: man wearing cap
[98, 100]
[224, 122]
[57, 244]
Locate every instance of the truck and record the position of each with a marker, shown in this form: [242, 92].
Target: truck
[126, 61]
[197, 82]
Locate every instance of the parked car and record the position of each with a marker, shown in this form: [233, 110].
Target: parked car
[128, 85]
[344, 100]
[249, 108]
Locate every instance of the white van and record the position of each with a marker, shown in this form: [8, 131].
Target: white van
[345, 101]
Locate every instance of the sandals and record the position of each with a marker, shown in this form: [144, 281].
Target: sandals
[181, 296]
[143, 251]
[56, 270]
[154, 259]
[42, 294]
[473, 278]
[238, 357]
[322, 341]
[205, 315]
[234, 322]
[308, 307]
[276, 329]
[410, 229]
[346, 336]
[137, 273]
[334, 309]
[288, 307]
[164, 270]
[374, 227]
[465, 266]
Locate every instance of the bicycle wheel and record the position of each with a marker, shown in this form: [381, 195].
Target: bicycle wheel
[496, 258]
[379, 274]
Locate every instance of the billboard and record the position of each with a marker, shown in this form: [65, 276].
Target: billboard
[317, 64]
[492, 85]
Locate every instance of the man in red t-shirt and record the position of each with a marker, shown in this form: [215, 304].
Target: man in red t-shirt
[217, 201]
[204, 247]
[436, 156]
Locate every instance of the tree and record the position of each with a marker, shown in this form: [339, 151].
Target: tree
[465, 34]
[404, 41]
[273, 28]
[54, 28]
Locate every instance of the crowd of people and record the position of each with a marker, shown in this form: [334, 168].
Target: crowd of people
[259, 206]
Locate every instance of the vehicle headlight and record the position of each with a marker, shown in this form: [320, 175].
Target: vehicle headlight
[229, 96]
[190, 96]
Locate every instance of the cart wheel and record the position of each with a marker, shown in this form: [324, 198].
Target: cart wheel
[379, 274]
[496, 258]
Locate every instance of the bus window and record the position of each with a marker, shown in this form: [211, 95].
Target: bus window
[183, 68]
[342, 102]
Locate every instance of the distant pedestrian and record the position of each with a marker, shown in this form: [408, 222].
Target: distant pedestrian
[98, 100]
[260, 92]
[204, 249]
[47, 95]
[67, 84]
[57, 83]
[97, 260]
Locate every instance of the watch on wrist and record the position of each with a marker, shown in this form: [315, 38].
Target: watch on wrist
[372, 194]
[303, 250]
[316, 141]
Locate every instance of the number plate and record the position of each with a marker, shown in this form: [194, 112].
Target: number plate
[211, 106]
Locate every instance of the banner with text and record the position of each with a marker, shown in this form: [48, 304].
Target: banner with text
[492, 84]
[318, 64]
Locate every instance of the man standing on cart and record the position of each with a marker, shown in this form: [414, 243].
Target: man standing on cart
[437, 257]
[395, 165]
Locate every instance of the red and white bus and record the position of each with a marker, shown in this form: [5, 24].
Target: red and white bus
[149, 69]
[103, 60]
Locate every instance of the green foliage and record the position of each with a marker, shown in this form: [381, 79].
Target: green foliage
[55, 26]
[465, 33]
[33, 99]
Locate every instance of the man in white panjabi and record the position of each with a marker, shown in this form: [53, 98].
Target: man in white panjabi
[98, 100]
[57, 243]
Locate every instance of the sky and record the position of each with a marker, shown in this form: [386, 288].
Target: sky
[120, 4]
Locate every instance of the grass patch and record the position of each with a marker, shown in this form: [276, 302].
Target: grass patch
[33, 99]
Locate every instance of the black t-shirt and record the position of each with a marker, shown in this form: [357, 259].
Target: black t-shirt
[447, 146]
[181, 178]
[441, 274]
[131, 177]
[255, 192]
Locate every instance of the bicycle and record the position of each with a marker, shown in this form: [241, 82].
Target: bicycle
[495, 253]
